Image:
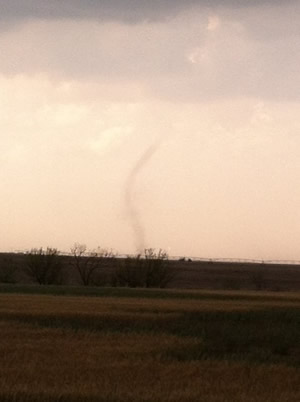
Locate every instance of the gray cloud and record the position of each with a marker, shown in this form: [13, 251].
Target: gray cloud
[114, 10]
[254, 53]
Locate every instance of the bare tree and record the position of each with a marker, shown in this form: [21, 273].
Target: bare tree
[89, 262]
[44, 266]
[150, 270]
[158, 271]
[129, 272]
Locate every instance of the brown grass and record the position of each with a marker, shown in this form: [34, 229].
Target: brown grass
[44, 360]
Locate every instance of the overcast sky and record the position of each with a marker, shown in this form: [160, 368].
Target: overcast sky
[163, 123]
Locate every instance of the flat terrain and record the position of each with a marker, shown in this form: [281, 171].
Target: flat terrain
[113, 345]
[187, 274]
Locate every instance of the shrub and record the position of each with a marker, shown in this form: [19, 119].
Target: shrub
[129, 273]
[89, 263]
[150, 270]
[45, 266]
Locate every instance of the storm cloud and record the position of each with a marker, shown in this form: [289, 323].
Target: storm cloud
[223, 51]
[130, 11]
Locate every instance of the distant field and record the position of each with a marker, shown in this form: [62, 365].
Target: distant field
[114, 345]
[210, 275]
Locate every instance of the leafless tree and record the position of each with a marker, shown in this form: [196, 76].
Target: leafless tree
[150, 270]
[89, 262]
[158, 271]
[44, 266]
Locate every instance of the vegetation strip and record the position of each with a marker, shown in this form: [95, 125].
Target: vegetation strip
[145, 293]
[119, 348]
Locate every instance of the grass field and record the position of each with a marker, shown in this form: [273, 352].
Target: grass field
[76, 344]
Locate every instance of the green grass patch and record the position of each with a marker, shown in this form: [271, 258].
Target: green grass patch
[143, 293]
[266, 336]
[262, 336]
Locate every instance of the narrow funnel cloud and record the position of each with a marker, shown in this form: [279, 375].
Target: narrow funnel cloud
[131, 207]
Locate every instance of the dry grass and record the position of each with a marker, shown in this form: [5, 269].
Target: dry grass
[113, 349]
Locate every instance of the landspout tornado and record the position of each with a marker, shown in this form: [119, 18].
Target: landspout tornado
[131, 207]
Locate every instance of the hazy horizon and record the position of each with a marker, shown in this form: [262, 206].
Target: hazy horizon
[165, 124]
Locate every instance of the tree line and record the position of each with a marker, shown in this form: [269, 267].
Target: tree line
[97, 267]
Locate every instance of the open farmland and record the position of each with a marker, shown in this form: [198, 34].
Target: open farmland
[210, 275]
[113, 345]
